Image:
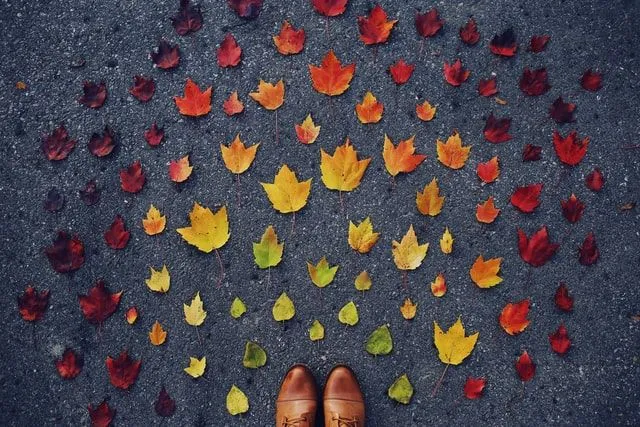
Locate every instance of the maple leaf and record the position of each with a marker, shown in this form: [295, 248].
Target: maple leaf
[485, 273]
[538, 43]
[408, 254]
[446, 241]
[369, 110]
[289, 41]
[131, 315]
[572, 208]
[99, 304]
[380, 341]
[117, 236]
[54, 200]
[155, 222]
[425, 111]
[32, 304]
[473, 387]
[401, 390]
[588, 251]
[196, 367]
[268, 95]
[143, 88]
[430, 202]
[401, 71]
[559, 340]
[254, 356]
[69, 365]
[527, 198]
[408, 309]
[513, 317]
[429, 23]
[342, 171]
[102, 145]
[322, 273]
[439, 286]
[497, 130]
[591, 80]
[246, 9]
[375, 28]
[132, 178]
[562, 298]
[94, 94]
[488, 171]
[534, 83]
[504, 44]
[233, 105]
[594, 180]
[329, 7]
[316, 331]
[165, 56]
[102, 415]
[268, 252]
[454, 74]
[188, 19]
[123, 371]
[194, 313]
[160, 280]
[348, 314]
[66, 254]
[562, 112]
[401, 158]
[180, 170]
[154, 135]
[531, 153]
[570, 150]
[331, 78]
[452, 154]
[525, 367]
[536, 250]
[229, 53]
[469, 32]
[453, 346]
[157, 335]
[487, 212]
[238, 308]
[488, 87]
[164, 405]
[286, 193]
[237, 402]
[208, 230]
[362, 237]
[237, 157]
[363, 281]
[194, 103]
[58, 145]
[307, 132]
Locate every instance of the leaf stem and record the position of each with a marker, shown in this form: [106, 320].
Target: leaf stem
[221, 276]
[439, 383]
[277, 133]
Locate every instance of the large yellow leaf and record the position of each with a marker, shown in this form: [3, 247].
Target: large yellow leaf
[160, 281]
[485, 273]
[342, 171]
[408, 254]
[361, 236]
[286, 193]
[452, 154]
[208, 231]
[194, 313]
[453, 346]
[237, 157]
[430, 202]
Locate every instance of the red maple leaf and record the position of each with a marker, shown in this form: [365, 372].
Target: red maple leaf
[375, 28]
[32, 304]
[536, 250]
[58, 145]
[454, 74]
[247, 9]
[527, 198]
[66, 254]
[534, 83]
[497, 130]
[165, 406]
[559, 340]
[154, 135]
[488, 87]
[570, 150]
[563, 300]
[473, 387]
[531, 153]
[469, 32]
[70, 365]
[504, 44]
[102, 145]
[594, 180]
[229, 53]
[562, 112]
[94, 94]
[117, 236]
[102, 415]
[591, 81]
[513, 317]
[525, 367]
[99, 303]
[165, 56]
[143, 88]
[588, 251]
[572, 208]
[538, 43]
[54, 200]
[188, 19]
[401, 71]
[429, 23]
[132, 178]
[90, 194]
[123, 371]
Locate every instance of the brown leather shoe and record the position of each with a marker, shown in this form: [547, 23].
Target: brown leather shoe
[342, 399]
[298, 399]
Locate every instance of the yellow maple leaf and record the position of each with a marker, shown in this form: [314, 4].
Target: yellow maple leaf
[269, 95]
[155, 222]
[446, 242]
[408, 309]
[196, 366]
[194, 314]
[237, 157]
[160, 280]
[208, 231]
[361, 236]
[429, 202]
[342, 171]
[452, 154]
[158, 335]
[286, 193]
[485, 273]
[408, 254]
[307, 131]
[453, 346]
[400, 158]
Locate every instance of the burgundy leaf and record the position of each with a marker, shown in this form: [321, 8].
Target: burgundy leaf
[469, 32]
[102, 145]
[570, 150]
[563, 300]
[94, 94]
[572, 208]
[132, 178]
[188, 19]
[588, 251]
[165, 56]
[154, 135]
[454, 74]
[143, 88]
[595, 180]
[247, 9]
[538, 43]
[165, 406]
[123, 371]
[534, 83]
[536, 250]
[117, 236]
[488, 87]
[504, 44]
[560, 341]
[497, 130]
[531, 153]
[429, 23]
[591, 81]
[54, 200]
[90, 194]
[32, 304]
[66, 254]
[527, 198]
[58, 145]
[102, 415]
[562, 112]
[70, 365]
[99, 304]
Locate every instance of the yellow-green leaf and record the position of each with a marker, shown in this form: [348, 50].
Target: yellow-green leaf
[196, 366]
[380, 341]
[401, 390]
[268, 252]
[283, 309]
[254, 356]
[321, 274]
[348, 314]
[237, 308]
[160, 280]
[237, 401]
[363, 281]
[316, 331]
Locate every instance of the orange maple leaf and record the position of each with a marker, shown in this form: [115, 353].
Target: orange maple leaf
[369, 110]
[375, 28]
[489, 170]
[307, 131]
[425, 111]
[452, 154]
[487, 211]
[195, 102]
[233, 105]
[513, 317]
[400, 158]
[268, 95]
[331, 78]
[289, 41]
[180, 170]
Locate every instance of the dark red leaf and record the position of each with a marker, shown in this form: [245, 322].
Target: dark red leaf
[70, 365]
[595, 180]
[165, 406]
[250, 9]
[563, 300]
[525, 367]
[526, 198]
[504, 44]
[531, 153]
[54, 200]
[473, 387]
[534, 83]
[539, 43]
[94, 94]
[32, 304]
[401, 71]
[102, 415]
[570, 150]
[429, 23]
[588, 251]
[536, 250]
[117, 236]
[562, 112]
[488, 87]
[572, 208]
[123, 371]
[90, 194]
[165, 56]
[559, 340]
[469, 32]
[154, 135]
[229, 53]
[497, 130]
[591, 81]
[66, 254]
[454, 74]
[143, 88]
[188, 19]
[102, 145]
[58, 145]
[99, 303]
[132, 178]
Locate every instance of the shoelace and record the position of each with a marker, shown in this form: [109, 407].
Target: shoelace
[293, 422]
[345, 422]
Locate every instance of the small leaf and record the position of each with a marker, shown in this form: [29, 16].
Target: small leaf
[158, 335]
[254, 356]
[446, 242]
[268, 252]
[238, 308]
[196, 366]
[322, 273]
[237, 401]
[155, 222]
[160, 281]
[430, 202]
[401, 390]
[380, 341]
[348, 314]
[408, 254]
[363, 281]
[283, 309]
[362, 237]
[316, 331]
[408, 309]
[194, 313]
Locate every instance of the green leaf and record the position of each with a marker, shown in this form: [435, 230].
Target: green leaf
[237, 401]
[321, 274]
[283, 309]
[268, 252]
[401, 390]
[348, 314]
[363, 281]
[380, 341]
[254, 356]
[316, 331]
[237, 308]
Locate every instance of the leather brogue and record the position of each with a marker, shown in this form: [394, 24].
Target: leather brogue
[342, 399]
[297, 401]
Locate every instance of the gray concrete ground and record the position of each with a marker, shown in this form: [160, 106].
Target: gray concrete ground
[596, 383]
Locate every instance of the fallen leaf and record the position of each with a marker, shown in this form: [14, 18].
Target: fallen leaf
[562, 298]
[469, 32]
[453, 346]
[194, 103]
[94, 94]
[342, 171]
[487, 212]
[591, 80]
[485, 273]
[408, 254]
[32, 304]
[369, 110]
[531, 153]
[322, 273]
[536, 250]
[246, 9]
[180, 170]
[143, 88]
[408, 309]
[594, 180]
[562, 112]
[588, 251]
[268, 95]
[348, 314]
[237, 401]
[316, 331]
[331, 78]
[488, 171]
[123, 371]
[70, 365]
[307, 131]
[117, 236]
[446, 242]
[238, 308]
[99, 304]
[430, 202]
[487, 87]
[188, 18]
[497, 130]
[20, 85]
[57, 145]
[66, 254]
[165, 56]
[401, 158]
[534, 83]
[132, 178]
[232, 105]
[452, 153]
[158, 335]
[286, 193]
[439, 286]
[454, 74]
[527, 198]
[164, 405]
[425, 111]
[375, 28]
[401, 390]
[538, 43]
[229, 53]
[362, 237]
[513, 317]
[154, 135]
[155, 222]
[363, 281]
[401, 71]
[131, 315]
[428, 24]
[54, 200]
[380, 341]
[289, 41]
[570, 150]
[559, 340]
[254, 356]
[329, 7]
[196, 367]
[194, 313]
[160, 280]
[101, 145]
[208, 230]
[102, 415]
[504, 44]
[283, 309]
[237, 157]
[473, 387]
[268, 252]
[572, 208]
